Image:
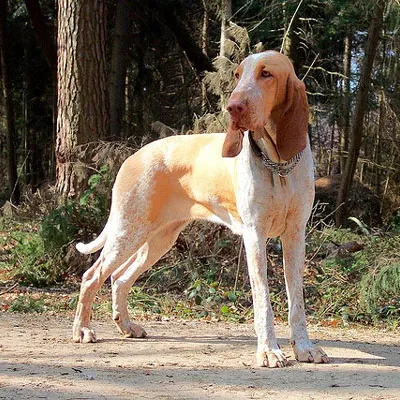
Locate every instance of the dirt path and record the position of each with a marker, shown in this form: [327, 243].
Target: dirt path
[187, 360]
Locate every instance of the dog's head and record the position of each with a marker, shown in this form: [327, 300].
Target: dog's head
[268, 93]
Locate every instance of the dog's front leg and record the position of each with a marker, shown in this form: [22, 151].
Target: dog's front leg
[293, 241]
[268, 352]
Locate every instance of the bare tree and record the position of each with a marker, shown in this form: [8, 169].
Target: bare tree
[226, 15]
[291, 42]
[344, 118]
[43, 34]
[9, 107]
[119, 64]
[360, 110]
[204, 47]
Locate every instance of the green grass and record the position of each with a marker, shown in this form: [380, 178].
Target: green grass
[211, 282]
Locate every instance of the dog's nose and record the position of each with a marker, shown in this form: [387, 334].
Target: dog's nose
[236, 108]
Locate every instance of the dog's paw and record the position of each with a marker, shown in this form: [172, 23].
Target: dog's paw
[307, 352]
[135, 331]
[84, 335]
[271, 359]
[131, 330]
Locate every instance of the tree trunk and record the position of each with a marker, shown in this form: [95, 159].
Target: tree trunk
[45, 35]
[291, 42]
[164, 13]
[395, 102]
[360, 109]
[204, 47]
[119, 64]
[344, 118]
[9, 107]
[82, 87]
[137, 97]
[377, 145]
[226, 15]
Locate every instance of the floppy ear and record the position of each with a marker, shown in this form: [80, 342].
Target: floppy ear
[233, 142]
[292, 126]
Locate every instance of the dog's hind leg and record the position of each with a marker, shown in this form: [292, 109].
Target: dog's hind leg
[115, 254]
[125, 276]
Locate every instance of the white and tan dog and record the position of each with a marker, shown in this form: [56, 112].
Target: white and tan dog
[257, 180]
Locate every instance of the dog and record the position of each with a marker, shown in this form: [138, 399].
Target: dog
[257, 179]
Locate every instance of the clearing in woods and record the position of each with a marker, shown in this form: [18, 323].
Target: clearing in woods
[188, 360]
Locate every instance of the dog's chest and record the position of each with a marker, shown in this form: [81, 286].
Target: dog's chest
[263, 198]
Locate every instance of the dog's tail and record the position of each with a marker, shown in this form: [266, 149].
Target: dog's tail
[95, 245]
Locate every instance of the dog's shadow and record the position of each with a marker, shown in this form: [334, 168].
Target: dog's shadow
[359, 352]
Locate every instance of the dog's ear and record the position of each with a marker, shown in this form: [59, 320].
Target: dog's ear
[233, 142]
[292, 125]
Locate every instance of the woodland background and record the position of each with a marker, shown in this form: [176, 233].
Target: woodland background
[86, 83]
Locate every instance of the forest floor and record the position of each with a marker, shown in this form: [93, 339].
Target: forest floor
[188, 360]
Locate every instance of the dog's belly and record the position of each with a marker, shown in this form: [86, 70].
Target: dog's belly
[223, 217]
[274, 226]
[271, 221]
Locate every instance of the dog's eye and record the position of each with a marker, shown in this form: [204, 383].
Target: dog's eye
[265, 74]
[237, 75]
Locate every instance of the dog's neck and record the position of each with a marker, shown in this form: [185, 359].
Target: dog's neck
[266, 141]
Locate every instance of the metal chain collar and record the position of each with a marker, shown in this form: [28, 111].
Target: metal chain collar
[282, 169]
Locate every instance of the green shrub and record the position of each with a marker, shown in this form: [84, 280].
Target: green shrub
[381, 291]
[78, 218]
[39, 256]
[59, 227]
[394, 223]
[364, 285]
[32, 264]
[27, 304]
